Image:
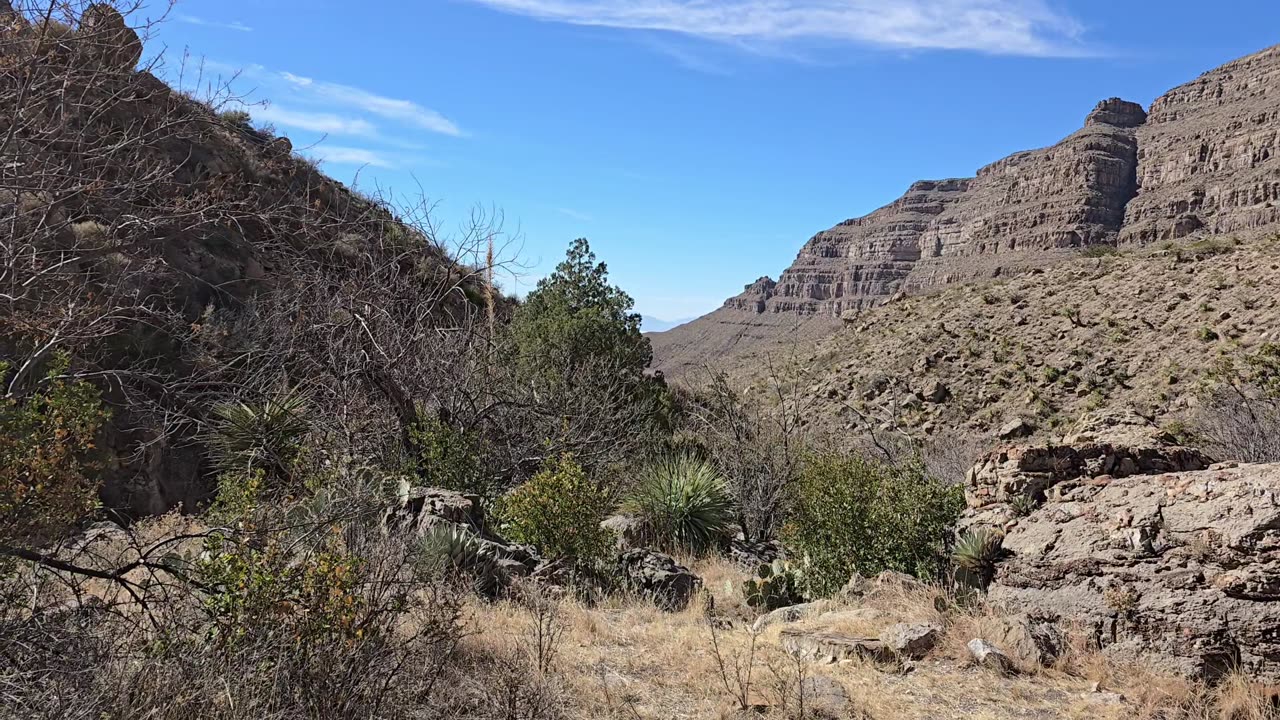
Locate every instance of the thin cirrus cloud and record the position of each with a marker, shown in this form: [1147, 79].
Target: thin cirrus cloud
[205, 22]
[402, 111]
[320, 122]
[342, 155]
[1006, 27]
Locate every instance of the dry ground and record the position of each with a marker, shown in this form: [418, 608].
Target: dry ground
[629, 660]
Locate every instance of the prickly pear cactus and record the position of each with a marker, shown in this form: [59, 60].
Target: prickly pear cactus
[776, 585]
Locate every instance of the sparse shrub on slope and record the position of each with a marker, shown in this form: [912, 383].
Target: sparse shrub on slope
[683, 503]
[558, 511]
[852, 514]
[1239, 415]
[47, 439]
[449, 458]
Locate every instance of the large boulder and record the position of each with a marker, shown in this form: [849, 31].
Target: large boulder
[658, 577]
[1156, 552]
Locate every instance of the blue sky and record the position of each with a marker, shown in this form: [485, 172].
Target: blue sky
[697, 143]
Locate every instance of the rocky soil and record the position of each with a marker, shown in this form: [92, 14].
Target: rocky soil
[1138, 330]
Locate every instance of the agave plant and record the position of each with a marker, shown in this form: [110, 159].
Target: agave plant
[976, 553]
[683, 503]
[455, 550]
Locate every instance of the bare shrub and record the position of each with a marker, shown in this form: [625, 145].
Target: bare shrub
[1238, 423]
[758, 445]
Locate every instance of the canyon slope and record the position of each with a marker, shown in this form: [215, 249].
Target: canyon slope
[1202, 160]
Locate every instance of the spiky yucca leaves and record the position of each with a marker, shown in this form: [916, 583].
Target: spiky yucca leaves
[683, 503]
[976, 554]
[266, 437]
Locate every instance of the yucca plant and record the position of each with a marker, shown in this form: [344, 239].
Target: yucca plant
[267, 437]
[683, 503]
[976, 554]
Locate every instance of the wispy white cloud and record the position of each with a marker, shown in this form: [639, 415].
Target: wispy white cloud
[684, 57]
[574, 214]
[342, 155]
[1012, 27]
[204, 22]
[404, 111]
[321, 122]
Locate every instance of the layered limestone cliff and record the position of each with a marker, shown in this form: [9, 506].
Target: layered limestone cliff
[1203, 160]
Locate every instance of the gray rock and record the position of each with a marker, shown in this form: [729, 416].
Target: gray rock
[825, 696]
[793, 613]
[1015, 428]
[826, 646]
[658, 577]
[1154, 553]
[1033, 641]
[986, 655]
[911, 640]
[628, 530]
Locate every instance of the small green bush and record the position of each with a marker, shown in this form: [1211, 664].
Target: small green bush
[558, 511]
[235, 117]
[452, 550]
[683, 503]
[1097, 251]
[851, 514]
[254, 592]
[47, 447]
[449, 458]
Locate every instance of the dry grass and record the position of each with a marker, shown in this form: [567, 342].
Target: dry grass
[626, 659]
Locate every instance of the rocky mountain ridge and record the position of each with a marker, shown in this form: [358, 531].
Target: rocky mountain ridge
[1202, 160]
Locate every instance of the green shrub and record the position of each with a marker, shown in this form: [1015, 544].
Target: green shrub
[776, 585]
[235, 117]
[47, 442]
[850, 514]
[1097, 251]
[558, 511]
[256, 592]
[683, 503]
[449, 458]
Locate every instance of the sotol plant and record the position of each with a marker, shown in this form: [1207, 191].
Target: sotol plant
[976, 554]
[683, 503]
[776, 585]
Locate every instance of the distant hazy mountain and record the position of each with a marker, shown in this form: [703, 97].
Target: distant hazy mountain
[653, 324]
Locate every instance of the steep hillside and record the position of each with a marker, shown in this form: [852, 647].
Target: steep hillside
[1134, 330]
[1202, 161]
[170, 252]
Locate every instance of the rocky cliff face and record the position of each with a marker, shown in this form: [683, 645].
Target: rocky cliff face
[1208, 157]
[1202, 160]
[1070, 195]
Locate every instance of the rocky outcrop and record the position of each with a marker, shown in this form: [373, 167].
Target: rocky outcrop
[1157, 553]
[657, 577]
